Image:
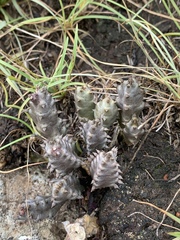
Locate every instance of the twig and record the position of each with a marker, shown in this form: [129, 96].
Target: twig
[25, 166]
[149, 174]
[174, 178]
[165, 225]
[161, 210]
[164, 215]
[150, 156]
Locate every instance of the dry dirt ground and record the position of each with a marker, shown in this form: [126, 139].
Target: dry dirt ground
[152, 177]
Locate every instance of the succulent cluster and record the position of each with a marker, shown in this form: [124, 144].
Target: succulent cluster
[96, 120]
[130, 102]
[64, 189]
[38, 209]
[105, 110]
[102, 163]
[94, 135]
[44, 114]
[85, 104]
[61, 155]
[126, 109]
[62, 159]
[104, 169]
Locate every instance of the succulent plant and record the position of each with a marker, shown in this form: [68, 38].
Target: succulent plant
[132, 132]
[94, 135]
[106, 110]
[104, 169]
[66, 188]
[61, 155]
[37, 209]
[60, 148]
[84, 101]
[44, 114]
[130, 99]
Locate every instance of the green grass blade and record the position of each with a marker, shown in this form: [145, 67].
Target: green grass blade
[16, 141]
[14, 86]
[174, 234]
[74, 53]
[19, 9]
[18, 120]
[17, 70]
